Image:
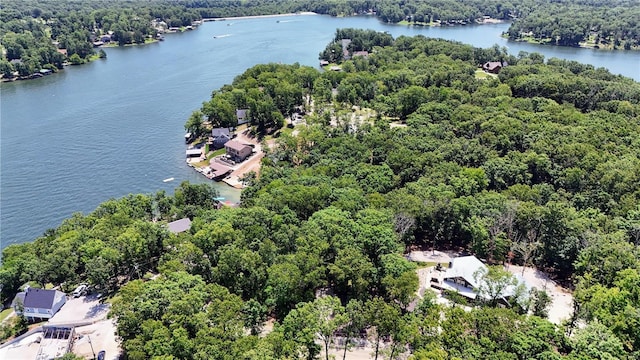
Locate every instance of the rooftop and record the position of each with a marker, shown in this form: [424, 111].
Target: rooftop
[39, 298]
[236, 145]
[179, 226]
[218, 132]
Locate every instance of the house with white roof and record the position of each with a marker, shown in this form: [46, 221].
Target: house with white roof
[465, 276]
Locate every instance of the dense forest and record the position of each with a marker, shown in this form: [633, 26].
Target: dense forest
[407, 147]
[609, 25]
[40, 34]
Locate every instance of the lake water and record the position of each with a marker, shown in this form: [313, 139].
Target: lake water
[113, 127]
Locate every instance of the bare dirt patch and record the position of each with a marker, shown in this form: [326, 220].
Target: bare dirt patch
[102, 336]
[561, 307]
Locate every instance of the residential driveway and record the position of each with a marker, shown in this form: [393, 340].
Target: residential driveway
[84, 308]
[103, 337]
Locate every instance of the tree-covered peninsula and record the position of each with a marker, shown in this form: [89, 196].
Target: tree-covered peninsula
[411, 146]
[43, 35]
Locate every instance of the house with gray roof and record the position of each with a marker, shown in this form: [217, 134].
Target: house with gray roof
[39, 303]
[179, 226]
[220, 137]
[242, 115]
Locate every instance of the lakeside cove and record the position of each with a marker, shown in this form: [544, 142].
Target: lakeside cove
[75, 127]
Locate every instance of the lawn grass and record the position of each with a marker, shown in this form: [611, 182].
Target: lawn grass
[480, 74]
[5, 313]
[210, 155]
[417, 23]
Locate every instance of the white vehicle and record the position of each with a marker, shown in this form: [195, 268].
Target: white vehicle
[79, 291]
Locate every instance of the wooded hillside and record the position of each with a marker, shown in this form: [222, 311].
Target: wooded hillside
[407, 147]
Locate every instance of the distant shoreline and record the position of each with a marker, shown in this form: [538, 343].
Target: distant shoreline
[302, 13]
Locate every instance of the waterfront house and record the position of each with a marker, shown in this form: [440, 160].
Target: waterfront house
[345, 48]
[237, 151]
[242, 115]
[39, 303]
[494, 67]
[105, 38]
[179, 226]
[220, 137]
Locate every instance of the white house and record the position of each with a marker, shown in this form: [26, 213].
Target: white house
[39, 303]
[464, 276]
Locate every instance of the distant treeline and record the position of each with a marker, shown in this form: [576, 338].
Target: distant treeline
[32, 31]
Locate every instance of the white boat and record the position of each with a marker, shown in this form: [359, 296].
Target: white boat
[167, 180]
[221, 36]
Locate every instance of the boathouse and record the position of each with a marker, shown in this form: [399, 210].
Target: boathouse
[195, 152]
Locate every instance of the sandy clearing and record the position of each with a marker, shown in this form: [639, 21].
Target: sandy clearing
[26, 348]
[562, 300]
[103, 337]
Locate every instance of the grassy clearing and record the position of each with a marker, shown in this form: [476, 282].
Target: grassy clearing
[329, 66]
[480, 74]
[210, 155]
[417, 23]
[5, 313]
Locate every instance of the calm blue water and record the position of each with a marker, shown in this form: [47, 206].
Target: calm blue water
[75, 139]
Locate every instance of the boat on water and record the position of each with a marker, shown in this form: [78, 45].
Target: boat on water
[168, 179]
[221, 36]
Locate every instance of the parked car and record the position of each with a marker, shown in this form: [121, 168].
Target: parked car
[80, 290]
[101, 355]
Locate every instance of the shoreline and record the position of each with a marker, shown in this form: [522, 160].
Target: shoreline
[302, 13]
[237, 171]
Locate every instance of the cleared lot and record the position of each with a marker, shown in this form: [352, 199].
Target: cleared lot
[84, 308]
[26, 349]
[102, 336]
